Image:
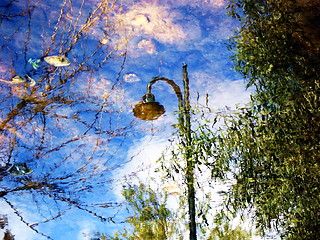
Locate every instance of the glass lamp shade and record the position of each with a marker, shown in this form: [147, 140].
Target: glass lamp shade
[148, 110]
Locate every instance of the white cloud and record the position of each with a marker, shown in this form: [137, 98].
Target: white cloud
[147, 45]
[200, 3]
[144, 155]
[153, 20]
[221, 93]
[229, 93]
[131, 77]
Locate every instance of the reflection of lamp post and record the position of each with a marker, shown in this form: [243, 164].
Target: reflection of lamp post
[148, 109]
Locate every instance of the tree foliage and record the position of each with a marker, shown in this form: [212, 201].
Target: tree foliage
[272, 146]
[150, 217]
[223, 230]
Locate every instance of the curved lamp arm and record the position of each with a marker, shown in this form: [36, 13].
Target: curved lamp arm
[175, 87]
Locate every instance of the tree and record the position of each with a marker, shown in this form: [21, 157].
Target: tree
[272, 145]
[150, 217]
[55, 117]
[224, 231]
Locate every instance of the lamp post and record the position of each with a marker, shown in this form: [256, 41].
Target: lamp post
[149, 109]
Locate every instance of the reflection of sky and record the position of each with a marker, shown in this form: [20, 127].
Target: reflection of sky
[75, 140]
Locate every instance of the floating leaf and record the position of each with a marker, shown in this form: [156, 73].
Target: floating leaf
[32, 81]
[57, 60]
[19, 169]
[17, 79]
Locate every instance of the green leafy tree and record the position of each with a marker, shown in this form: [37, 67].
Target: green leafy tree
[150, 218]
[272, 146]
[223, 230]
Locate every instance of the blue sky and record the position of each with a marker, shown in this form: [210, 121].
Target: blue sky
[74, 138]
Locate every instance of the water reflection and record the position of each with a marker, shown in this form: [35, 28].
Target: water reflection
[65, 107]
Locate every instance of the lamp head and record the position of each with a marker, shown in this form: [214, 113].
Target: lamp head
[148, 109]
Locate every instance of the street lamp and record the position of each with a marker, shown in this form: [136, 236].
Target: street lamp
[149, 109]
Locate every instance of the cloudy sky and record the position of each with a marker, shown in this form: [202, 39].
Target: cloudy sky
[157, 36]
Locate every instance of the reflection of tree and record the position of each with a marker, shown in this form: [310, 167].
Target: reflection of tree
[151, 219]
[274, 142]
[62, 126]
